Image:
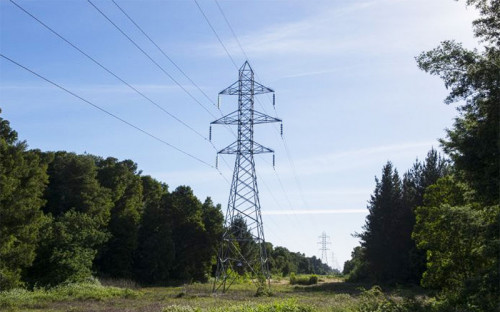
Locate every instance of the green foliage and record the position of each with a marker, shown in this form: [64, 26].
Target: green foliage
[355, 269]
[459, 221]
[155, 252]
[73, 184]
[79, 210]
[19, 297]
[278, 306]
[461, 259]
[387, 253]
[374, 300]
[473, 142]
[194, 247]
[116, 257]
[383, 251]
[282, 262]
[22, 181]
[67, 249]
[303, 279]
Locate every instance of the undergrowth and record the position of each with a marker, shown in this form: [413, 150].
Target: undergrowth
[73, 291]
[278, 306]
[303, 279]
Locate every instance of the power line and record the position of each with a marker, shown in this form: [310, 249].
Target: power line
[163, 52]
[169, 59]
[239, 44]
[215, 33]
[116, 76]
[150, 58]
[112, 115]
[154, 62]
[108, 70]
[232, 30]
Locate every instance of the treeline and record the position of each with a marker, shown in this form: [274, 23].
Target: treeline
[283, 262]
[439, 224]
[66, 217]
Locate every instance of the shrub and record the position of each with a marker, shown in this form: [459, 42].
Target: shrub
[303, 279]
[81, 291]
[374, 300]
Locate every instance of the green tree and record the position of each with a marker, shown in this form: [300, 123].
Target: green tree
[473, 144]
[213, 220]
[73, 184]
[355, 268]
[384, 247]
[192, 258]
[154, 255]
[68, 246]
[22, 181]
[415, 182]
[455, 232]
[79, 209]
[121, 178]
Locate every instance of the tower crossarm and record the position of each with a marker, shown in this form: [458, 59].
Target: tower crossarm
[260, 118]
[233, 119]
[233, 89]
[261, 89]
[256, 149]
[229, 119]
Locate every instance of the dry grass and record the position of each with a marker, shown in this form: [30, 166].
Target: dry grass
[329, 295]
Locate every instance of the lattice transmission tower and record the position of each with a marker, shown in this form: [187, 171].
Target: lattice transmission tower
[325, 240]
[242, 249]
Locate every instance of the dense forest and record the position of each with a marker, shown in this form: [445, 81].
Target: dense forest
[439, 223]
[66, 217]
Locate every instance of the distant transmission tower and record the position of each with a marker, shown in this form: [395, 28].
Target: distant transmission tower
[324, 250]
[243, 247]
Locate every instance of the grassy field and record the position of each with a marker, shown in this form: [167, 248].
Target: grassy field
[330, 294]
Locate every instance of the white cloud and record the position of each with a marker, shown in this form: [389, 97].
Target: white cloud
[379, 26]
[347, 160]
[312, 212]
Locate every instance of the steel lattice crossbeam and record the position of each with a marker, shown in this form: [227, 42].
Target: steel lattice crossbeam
[242, 248]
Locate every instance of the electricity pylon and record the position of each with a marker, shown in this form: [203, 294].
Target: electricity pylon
[324, 241]
[242, 248]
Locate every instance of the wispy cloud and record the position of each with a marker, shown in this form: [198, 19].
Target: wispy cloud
[312, 212]
[361, 26]
[348, 160]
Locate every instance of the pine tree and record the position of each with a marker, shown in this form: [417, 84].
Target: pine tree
[415, 182]
[116, 257]
[381, 239]
[23, 179]
[154, 256]
[79, 210]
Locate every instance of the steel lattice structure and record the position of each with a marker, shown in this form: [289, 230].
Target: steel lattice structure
[242, 247]
[324, 242]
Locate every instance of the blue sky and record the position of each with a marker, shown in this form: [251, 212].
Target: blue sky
[347, 88]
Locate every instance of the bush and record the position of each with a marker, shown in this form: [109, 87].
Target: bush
[303, 279]
[81, 291]
[374, 300]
